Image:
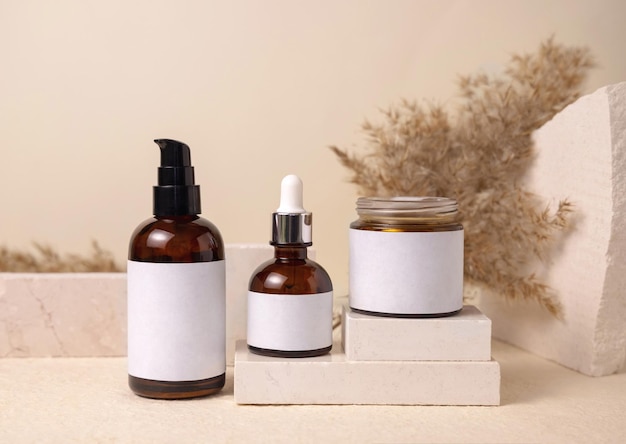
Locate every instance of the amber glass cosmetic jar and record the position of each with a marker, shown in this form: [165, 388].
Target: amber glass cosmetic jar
[406, 257]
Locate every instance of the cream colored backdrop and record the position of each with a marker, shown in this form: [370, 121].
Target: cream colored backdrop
[258, 89]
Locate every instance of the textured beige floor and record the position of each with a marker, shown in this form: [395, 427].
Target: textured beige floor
[86, 400]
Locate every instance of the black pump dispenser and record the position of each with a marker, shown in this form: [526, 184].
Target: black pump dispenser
[176, 194]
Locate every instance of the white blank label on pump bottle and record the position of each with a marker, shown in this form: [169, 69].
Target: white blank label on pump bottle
[288, 322]
[176, 320]
[413, 273]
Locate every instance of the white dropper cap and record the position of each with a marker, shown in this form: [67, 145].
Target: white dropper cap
[291, 195]
[291, 223]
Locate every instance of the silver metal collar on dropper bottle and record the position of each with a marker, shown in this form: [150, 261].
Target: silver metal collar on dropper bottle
[291, 223]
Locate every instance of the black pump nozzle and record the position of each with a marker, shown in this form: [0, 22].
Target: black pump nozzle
[176, 193]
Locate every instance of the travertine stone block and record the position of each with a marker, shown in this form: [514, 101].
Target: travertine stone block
[332, 379]
[581, 156]
[463, 337]
[241, 261]
[84, 314]
[62, 314]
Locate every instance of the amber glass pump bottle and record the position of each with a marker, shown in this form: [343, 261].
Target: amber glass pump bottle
[176, 290]
[290, 298]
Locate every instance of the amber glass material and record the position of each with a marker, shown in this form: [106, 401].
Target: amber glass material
[406, 214]
[179, 239]
[290, 273]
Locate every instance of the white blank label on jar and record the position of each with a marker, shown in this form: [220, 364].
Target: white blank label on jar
[290, 322]
[176, 320]
[406, 272]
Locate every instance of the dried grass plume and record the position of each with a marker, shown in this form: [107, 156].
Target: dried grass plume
[477, 154]
[46, 260]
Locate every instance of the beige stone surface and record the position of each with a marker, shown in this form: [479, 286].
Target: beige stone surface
[581, 156]
[465, 336]
[241, 261]
[62, 314]
[84, 314]
[79, 400]
[333, 379]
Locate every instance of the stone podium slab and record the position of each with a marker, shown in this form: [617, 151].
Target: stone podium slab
[465, 336]
[332, 379]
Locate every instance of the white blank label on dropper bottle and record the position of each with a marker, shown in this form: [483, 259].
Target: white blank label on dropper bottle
[290, 322]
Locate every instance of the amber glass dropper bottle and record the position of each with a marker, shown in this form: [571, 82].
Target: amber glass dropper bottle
[290, 298]
[176, 290]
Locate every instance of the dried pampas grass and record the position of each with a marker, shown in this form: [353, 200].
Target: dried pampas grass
[478, 155]
[46, 260]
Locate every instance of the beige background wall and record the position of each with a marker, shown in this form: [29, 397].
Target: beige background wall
[258, 89]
